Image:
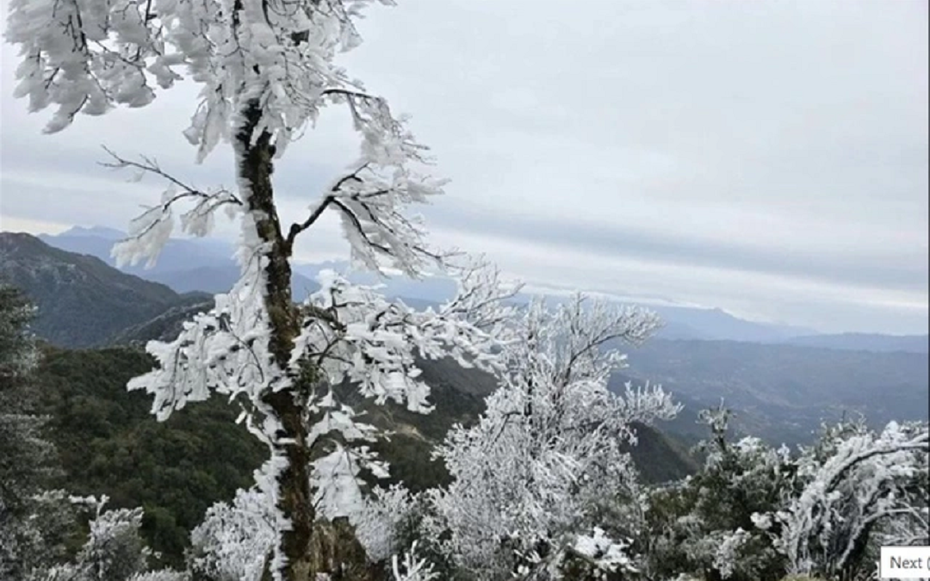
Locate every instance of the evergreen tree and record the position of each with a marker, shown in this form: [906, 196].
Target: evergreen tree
[32, 524]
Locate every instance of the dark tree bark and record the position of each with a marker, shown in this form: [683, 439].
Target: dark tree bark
[312, 546]
[294, 501]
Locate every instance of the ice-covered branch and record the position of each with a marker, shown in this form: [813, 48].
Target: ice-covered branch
[224, 350]
[412, 567]
[352, 335]
[89, 56]
[365, 339]
[372, 198]
[149, 231]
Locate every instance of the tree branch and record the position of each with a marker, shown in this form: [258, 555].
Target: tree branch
[296, 229]
[151, 166]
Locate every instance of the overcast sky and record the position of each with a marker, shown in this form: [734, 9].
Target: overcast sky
[769, 158]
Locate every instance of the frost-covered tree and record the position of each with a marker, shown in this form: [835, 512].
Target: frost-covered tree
[266, 69]
[37, 536]
[24, 455]
[21, 448]
[113, 551]
[755, 513]
[18, 354]
[534, 476]
[858, 490]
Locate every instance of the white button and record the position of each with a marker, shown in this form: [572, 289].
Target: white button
[904, 563]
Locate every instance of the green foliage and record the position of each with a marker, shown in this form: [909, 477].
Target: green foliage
[705, 523]
[109, 444]
[659, 457]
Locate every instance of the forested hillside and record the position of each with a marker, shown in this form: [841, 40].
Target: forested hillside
[82, 301]
[109, 443]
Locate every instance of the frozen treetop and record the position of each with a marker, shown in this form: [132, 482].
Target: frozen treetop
[265, 67]
[92, 55]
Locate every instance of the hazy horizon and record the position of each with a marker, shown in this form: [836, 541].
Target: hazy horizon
[556, 292]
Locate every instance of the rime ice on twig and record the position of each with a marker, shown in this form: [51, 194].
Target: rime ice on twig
[412, 568]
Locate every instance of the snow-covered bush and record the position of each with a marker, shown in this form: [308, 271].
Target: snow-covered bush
[161, 575]
[235, 541]
[597, 557]
[37, 537]
[755, 513]
[387, 521]
[856, 490]
[114, 550]
[412, 567]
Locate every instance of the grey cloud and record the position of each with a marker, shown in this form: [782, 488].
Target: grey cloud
[903, 270]
[780, 139]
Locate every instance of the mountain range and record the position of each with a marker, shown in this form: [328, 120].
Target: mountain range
[201, 265]
[82, 301]
[781, 392]
[206, 265]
